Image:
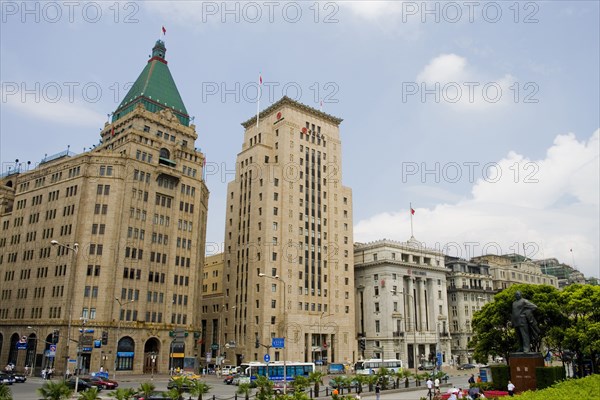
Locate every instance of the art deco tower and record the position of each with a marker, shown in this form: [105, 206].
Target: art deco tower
[288, 240]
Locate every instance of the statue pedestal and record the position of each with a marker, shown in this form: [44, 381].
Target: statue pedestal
[522, 370]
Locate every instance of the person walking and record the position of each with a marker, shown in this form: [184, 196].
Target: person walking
[429, 388]
[472, 379]
[436, 383]
[511, 389]
[377, 391]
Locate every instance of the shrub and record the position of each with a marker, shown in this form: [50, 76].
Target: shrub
[546, 376]
[500, 376]
[584, 388]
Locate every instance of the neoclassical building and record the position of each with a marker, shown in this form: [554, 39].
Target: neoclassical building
[288, 269]
[101, 252]
[401, 301]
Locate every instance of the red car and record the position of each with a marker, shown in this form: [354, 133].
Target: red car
[102, 383]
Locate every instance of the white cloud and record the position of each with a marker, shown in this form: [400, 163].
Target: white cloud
[463, 87]
[506, 213]
[62, 111]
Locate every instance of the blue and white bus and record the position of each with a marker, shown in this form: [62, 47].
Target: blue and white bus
[372, 366]
[275, 370]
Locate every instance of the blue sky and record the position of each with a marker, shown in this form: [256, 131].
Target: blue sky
[499, 101]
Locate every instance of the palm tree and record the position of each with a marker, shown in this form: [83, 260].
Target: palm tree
[244, 389]
[300, 383]
[146, 388]
[5, 393]
[316, 378]
[360, 381]
[198, 388]
[173, 394]
[338, 382]
[265, 388]
[382, 377]
[370, 380]
[179, 385]
[123, 394]
[55, 391]
[402, 374]
[90, 394]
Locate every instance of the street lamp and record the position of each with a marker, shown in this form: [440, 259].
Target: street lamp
[70, 289]
[278, 278]
[220, 351]
[34, 351]
[121, 305]
[153, 358]
[415, 352]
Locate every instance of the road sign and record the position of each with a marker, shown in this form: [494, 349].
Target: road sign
[439, 359]
[267, 358]
[52, 347]
[208, 356]
[278, 343]
[214, 346]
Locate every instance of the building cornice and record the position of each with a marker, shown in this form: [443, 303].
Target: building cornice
[286, 101]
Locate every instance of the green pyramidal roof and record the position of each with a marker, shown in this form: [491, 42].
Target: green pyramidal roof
[155, 89]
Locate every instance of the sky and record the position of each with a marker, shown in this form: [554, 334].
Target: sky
[484, 116]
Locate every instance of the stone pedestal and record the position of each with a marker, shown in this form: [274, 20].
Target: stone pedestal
[522, 370]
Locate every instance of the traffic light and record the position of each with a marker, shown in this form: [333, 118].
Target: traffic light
[104, 338]
[257, 344]
[362, 343]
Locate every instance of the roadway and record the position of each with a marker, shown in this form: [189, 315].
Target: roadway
[28, 390]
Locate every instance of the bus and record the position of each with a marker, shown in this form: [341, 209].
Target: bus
[372, 366]
[275, 370]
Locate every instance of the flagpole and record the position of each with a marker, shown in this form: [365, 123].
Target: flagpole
[258, 99]
[411, 220]
[573, 257]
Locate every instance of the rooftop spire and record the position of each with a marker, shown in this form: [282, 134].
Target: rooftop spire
[155, 89]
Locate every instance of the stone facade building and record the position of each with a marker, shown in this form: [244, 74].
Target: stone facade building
[401, 301]
[288, 240]
[110, 241]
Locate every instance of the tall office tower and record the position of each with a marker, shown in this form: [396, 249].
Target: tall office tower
[101, 252]
[288, 240]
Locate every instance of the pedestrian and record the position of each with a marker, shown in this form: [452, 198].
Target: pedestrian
[478, 378]
[429, 387]
[68, 373]
[44, 374]
[472, 379]
[377, 391]
[437, 383]
[511, 389]
[460, 393]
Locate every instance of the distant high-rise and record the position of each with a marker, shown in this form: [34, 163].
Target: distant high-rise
[110, 241]
[288, 240]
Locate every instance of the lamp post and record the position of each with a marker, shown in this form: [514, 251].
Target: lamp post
[220, 351]
[74, 250]
[121, 305]
[34, 351]
[278, 278]
[415, 352]
[153, 358]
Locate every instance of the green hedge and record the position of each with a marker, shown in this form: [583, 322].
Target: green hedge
[547, 376]
[584, 389]
[500, 376]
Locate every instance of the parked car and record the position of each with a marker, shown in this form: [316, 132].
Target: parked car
[6, 379]
[228, 379]
[103, 383]
[467, 366]
[81, 386]
[427, 366]
[18, 376]
[156, 395]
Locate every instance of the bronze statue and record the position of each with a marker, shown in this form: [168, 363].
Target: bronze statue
[524, 322]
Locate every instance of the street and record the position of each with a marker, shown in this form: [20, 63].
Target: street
[28, 390]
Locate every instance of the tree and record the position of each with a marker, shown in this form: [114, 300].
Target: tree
[244, 389]
[382, 377]
[146, 388]
[55, 391]
[90, 394]
[494, 334]
[265, 388]
[123, 394]
[316, 378]
[402, 374]
[581, 304]
[5, 392]
[198, 388]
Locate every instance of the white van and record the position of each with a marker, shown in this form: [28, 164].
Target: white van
[228, 369]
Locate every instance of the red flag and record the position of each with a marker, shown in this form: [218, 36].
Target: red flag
[164, 30]
[412, 211]
[260, 79]
[112, 132]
